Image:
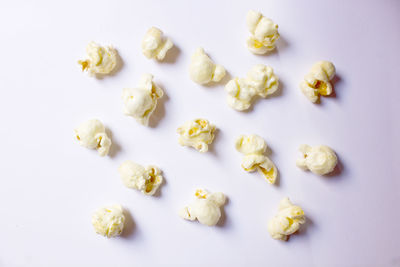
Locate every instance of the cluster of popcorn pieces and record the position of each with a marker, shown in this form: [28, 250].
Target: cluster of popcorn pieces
[253, 147]
[206, 207]
[147, 180]
[141, 101]
[260, 81]
[197, 133]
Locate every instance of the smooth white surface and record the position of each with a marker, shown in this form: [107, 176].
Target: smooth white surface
[50, 185]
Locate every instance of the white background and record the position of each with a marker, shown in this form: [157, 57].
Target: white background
[50, 185]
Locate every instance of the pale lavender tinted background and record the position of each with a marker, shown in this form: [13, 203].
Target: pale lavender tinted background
[50, 186]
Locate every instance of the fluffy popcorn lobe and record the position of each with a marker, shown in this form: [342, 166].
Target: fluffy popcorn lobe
[260, 81]
[318, 159]
[141, 102]
[109, 221]
[197, 133]
[100, 59]
[253, 148]
[263, 33]
[155, 45]
[91, 134]
[287, 221]
[203, 70]
[205, 208]
[317, 81]
[147, 180]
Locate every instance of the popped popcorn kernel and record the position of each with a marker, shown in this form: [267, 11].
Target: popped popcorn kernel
[318, 159]
[253, 148]
[91, 134]
[260, 81]
[135, 176]
[318, 81]
[155, 45]
[197, 133]
[263, 33]
[109, 221]
[100, 59]
[205, 208]
[203, 70]
[141, 102]
[287, 221]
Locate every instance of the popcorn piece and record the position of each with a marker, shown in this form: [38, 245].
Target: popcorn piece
[155, 45]
[100, 59]
[140, 102]
[198, 133]
[287, 221]
[147, 180]
[260, 81]
[91, 134]
[203, 70]
[264, 33]
[318, 159]
[253, 147]
[109, 221]
[317, 81]
[205, 208]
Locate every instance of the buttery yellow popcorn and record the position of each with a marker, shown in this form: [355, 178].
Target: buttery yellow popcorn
[203, 70]
[205, 208]
[155, 45]
[264, 33]
[260, 81]
[253, 148]
[100, 59]
[91, 134]
[109, 221]
[197, 133]
[140, 102]
[287, 221]
[147, 180]
[317, 81]
[318, 159]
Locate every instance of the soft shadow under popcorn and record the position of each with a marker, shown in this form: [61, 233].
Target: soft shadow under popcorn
[172, 55]
[115, 147]
[130, 226]
[159, 112]
[223, 219]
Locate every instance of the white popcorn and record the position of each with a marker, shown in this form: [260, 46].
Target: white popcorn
[318, 159]
[205, 208]
[287, 221]
[260, 81]
[140, 102]
[155, 45]
[317, 81]
[264, 33]
[109, 221]
[197, 133]
[203, 70]
[100, 59]
[253, 147]
[147, 180]
[91, 134]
